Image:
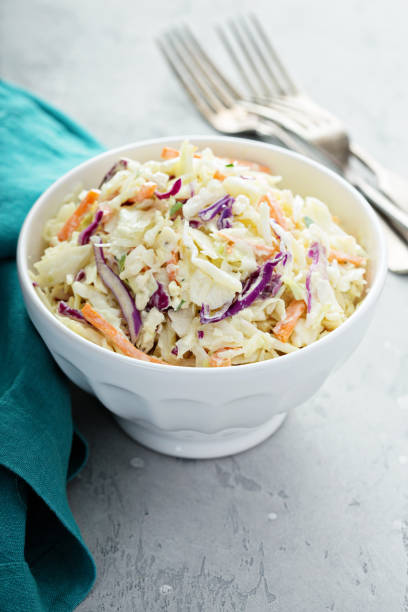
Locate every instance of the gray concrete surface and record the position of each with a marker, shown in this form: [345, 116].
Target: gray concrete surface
[315, 518]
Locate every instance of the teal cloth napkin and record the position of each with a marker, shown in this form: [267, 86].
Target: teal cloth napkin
[44, 563]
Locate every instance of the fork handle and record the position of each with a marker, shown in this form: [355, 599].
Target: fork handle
[392, 185]
[266, 128]
[396, 247]
[395, 214]
[397, 250]
[386, 206]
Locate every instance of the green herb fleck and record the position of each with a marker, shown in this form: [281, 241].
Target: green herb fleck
[308, 221]
[229, 165]
[121, 262]
[180, 305]
[175, 208]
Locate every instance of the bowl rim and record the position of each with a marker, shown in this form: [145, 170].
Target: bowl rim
[362, 309]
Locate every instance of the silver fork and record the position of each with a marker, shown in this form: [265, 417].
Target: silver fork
[272, 94]
[219, 102]
[213, 95]
[216, 97]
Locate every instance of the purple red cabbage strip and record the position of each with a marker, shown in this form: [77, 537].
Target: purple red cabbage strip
[193, 223]
[223, 207]
[122, 294]
[72, 313]
[159, 299]
[86, 234]
[314, 254]
[122, 164]
[172, 192]
[80, 276]
[264, 282]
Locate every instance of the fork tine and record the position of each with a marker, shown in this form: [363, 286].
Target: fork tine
[234, 57]
[187, 42]
[198, 100]
[274, 57]
[201, 83]
[201, 52]
[248, 56]
[274, 81]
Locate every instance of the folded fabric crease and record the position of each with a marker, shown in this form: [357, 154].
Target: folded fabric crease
[44, 563]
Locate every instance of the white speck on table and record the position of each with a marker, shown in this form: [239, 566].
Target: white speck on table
[137, 462]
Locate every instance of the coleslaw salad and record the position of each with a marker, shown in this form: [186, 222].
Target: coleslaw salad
[198, 260]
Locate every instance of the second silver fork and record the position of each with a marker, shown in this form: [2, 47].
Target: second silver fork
[219, 102]
[271, 93]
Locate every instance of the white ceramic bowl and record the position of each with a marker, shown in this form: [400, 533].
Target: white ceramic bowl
[205, 412]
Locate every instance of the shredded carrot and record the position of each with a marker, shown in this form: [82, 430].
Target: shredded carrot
[284, 328]
[72, 223]
[345, 258]
[253, 165]
[232, 239]
[172, 271]
[336, 219]
[174, 259]
[169, 153]
[119, 340]
[268, 250]
[219, 175]
[145, 192]
[264, 248]
[275, 210]
[216, 361]
[110, 197]
[172, 267]
[107, 213]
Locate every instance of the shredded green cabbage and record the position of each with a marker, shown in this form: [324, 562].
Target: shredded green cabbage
[150, 241]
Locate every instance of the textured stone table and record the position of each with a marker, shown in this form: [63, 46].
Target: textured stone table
[314, 518]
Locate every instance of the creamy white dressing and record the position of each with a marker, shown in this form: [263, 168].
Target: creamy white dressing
[202, 266]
